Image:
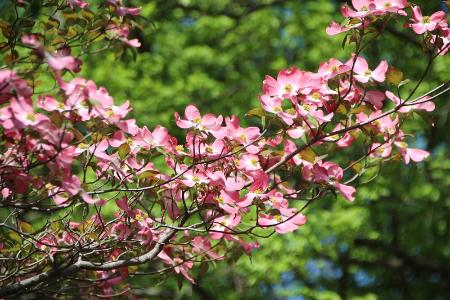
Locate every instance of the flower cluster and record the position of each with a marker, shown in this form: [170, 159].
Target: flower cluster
[369, 12]
[175, 202]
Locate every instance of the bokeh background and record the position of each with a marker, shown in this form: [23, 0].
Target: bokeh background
[393, 242]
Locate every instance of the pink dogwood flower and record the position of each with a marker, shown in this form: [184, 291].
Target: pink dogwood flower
[391, 6]
[408, 154]
[121, 33]
[274, 105]
[423, 103]
[195, 120]
[23, 112]
[192, 177]
[362, 8]
[179, 265]
[329, 173]
[364, 74]
[249, 162]
[380, 150]
[158, 138]
[286, 221]
[287, 84]
[223, 225]
[58, 61]
[98, 150]
[426, 23]
[123, 11]
[376, 98]
[444, 37]
[332, 68]
[77, 3]
[244, 136]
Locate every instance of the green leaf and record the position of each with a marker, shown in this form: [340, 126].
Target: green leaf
[147, 174]
[88, 15]
[124, 150]
[203, 268]
[308, 155]
[53, 22]
[256, 112]
[344, 41]
[26, 227]
[15, 236]
[179, 282]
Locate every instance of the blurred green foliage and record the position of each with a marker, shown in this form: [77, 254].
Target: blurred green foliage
[392, 243]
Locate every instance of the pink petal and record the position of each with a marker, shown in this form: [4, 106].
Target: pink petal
[191, 112]
[417, 13]
[437, 16]
[417, 155]
[347, 191]
[379, 74]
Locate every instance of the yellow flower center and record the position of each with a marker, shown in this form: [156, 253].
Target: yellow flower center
[208, 149]
[379, 150]
[83, 146]
[288, 88]
[31, 117]
[403, 145]
[316, 96]
[140, 217]
[254, 162]
[306, 107]
[278, 218]
[334, 68]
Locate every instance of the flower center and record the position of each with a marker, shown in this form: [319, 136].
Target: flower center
[254, 162]
[306, 107]
[257, 191]
[288, 88]
[316, 96]
[402, 144]
[368, 73]
[31, 117]
[208, 149]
